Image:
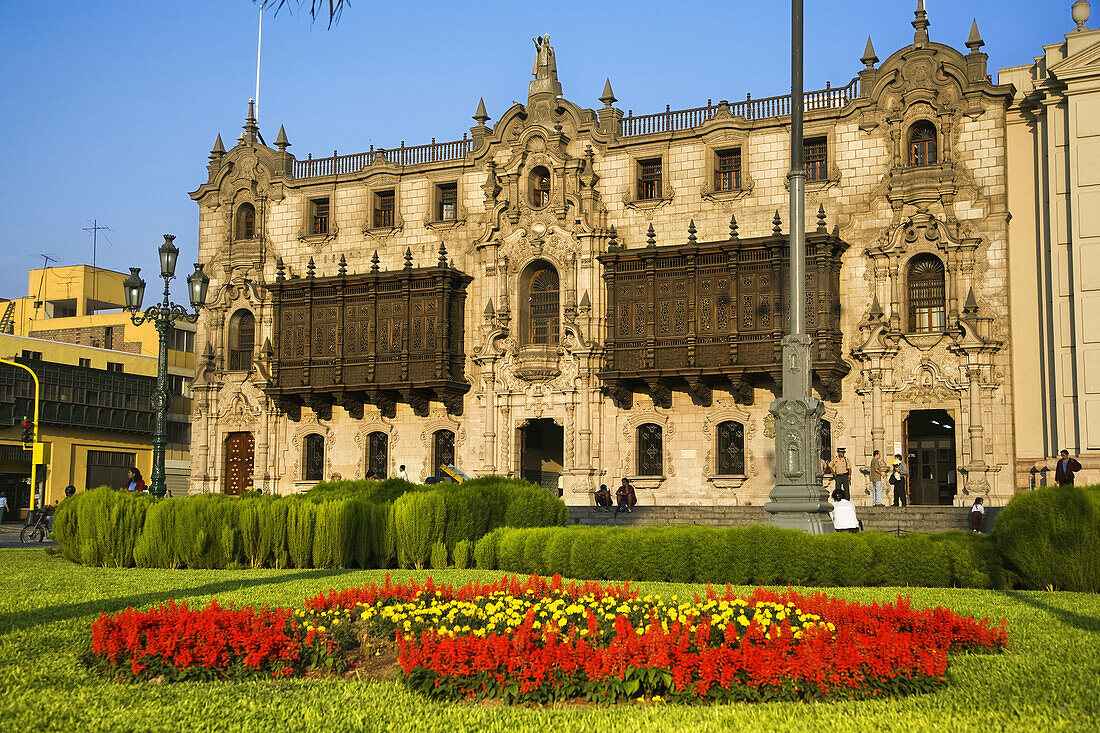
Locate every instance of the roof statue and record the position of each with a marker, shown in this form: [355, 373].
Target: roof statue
[545, 70]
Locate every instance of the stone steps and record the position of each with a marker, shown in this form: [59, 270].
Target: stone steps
[899, 520]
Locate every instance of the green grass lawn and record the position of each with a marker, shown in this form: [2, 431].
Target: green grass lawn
[1049, 679]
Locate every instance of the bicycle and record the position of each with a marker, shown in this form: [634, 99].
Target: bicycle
[36, 527]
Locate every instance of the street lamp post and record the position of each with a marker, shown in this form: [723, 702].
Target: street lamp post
[163, 315]
[798, 500]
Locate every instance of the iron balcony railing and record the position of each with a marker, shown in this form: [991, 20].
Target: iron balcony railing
[751, 109]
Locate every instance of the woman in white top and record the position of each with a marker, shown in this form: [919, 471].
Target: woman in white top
[844, 513]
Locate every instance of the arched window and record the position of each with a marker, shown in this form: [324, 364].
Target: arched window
[313, 457]
[443, 450]
[927, 306]
[242, 339]
[542, 304]
[650, 450]
[731, 449]
[922, 143]
[246, 222]
[540, 187]
[378, 454]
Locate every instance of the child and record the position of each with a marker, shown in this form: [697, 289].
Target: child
[977, 516]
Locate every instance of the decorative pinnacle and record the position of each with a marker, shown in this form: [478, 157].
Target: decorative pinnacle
[343, 269]
[280, 141]
[777, 223]
[442, 254]
[920, 23]
[650, 237]
[1080, 14]
[481, 116]
[219, 148]
[374, 262]
[613, 239]
[408, 258]
[821, 227]
[733, 226]
[876, 309]
[489, 312]
[971, 305]
[250, 127]
[586, 302]
[608, 97]
[311, 269]
[975, 42]
[280, 270]
[869, 58]
[691, 231]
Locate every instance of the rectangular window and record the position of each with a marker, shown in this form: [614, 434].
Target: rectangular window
[85, 363]
[178, 433]
[727, 170]
[447, 196]
[179, 385]
[383, 209]
[108, 468]
[32, 355]
[649, 179]
[114, 366]
[815, 158]
[650, 449]
[181, 340]
[318, 215]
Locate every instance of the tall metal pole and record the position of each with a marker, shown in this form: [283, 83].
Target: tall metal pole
[798, 500]
[164, 326]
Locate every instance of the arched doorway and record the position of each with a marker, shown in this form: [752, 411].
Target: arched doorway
[930, 445]
[542, 452]
[239, 460]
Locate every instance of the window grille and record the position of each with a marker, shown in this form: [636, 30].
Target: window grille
[731, 449]
[543, 301]
[815, 158]
[246, 221]
[313, 465]
[242, 339]
[727, 171]
[650, 449]
[448, 201]
[378, 444]
[927, 307]
[383, 209]
[922, 143]
[443, 450]
[319, 213]
[649, 179]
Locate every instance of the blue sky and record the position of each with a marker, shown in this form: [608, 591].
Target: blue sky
[112, 106]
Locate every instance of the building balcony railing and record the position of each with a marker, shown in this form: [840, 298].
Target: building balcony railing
[433, 152]
[751, 109]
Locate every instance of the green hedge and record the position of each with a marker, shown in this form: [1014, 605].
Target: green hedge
[1050, 538]
[367, 524]
[755, 555]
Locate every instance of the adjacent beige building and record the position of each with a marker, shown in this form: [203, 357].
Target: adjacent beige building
[908, 165]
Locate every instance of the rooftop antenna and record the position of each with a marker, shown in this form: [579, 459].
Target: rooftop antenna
[40, 300]
[95, 229]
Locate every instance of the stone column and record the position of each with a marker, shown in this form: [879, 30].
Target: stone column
[490, 418]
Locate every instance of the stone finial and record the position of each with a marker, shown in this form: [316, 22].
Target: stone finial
[489, 311]
[251, 129]
[869, 58]
[1080, 13]
[408, 258]
[821, 227]
[777, 223]
[311, 269]
[733, 226]
[920, 24]
[343, 268]
[586, 302]
[218, 151]
[442, 255]
[608, 97]
[971, 305]
[650, 237]
[374, 262]
[974, 42]
[481, 116]
[613, 239]
[876, 311]
[281, 141]
[280, 270]
[691, 231]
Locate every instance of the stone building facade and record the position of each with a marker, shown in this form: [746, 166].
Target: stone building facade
[907, 168]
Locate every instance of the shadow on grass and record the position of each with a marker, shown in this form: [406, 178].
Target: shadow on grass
[10, 622]
[1070, 618]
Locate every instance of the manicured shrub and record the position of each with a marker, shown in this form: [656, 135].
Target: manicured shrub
[559, 551]
[585, 557]
[842, 559]
[534, 551]
[419, 520]
[1051, 538]
[301, 515]
[711, 562]
[462, 551]
[276, 525]
[334, 534]
[485, 551]
[973, 558]
[439, 555]
[510, 550]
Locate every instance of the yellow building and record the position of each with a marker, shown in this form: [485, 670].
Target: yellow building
[72, 327]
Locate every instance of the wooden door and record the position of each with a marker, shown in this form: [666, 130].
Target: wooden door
[930, 468]
[239, 459]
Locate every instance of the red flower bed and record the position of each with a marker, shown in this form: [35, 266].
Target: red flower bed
[178, 642]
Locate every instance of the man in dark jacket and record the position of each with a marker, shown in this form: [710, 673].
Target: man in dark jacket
[1067, 466]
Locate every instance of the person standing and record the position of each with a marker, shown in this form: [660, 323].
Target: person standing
[3, 506]
[1066, 468]
[878, 471]
[401, 473]
[134, 481]
[843, 513]
[977, 516]
[842, 473]
[898, 475]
